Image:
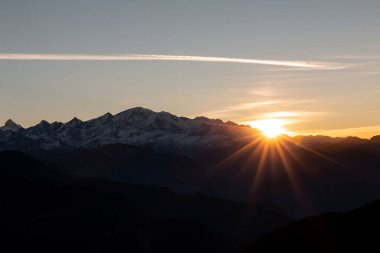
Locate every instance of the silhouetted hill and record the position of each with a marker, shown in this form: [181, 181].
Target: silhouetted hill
[126, 163]
[55, 217]
[242, 222]
[298, 178]
[28, 195]
[375, 139]
[18, 164]
[354, 231]
[303, 179]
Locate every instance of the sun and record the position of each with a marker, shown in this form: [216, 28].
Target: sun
[271, 128]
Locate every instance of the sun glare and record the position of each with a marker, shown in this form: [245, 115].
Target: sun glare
[271, 128]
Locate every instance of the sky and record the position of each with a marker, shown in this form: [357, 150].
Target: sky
[313, 65]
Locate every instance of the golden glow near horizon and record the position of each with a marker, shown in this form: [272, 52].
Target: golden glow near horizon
[271, 128]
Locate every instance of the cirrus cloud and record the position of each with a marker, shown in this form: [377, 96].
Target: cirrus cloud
[153, 57]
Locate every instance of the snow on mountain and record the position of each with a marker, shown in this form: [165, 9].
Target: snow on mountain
[137, 126]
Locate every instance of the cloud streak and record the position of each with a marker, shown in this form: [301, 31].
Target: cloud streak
[364, 132]
[151, 57]
[235, 109]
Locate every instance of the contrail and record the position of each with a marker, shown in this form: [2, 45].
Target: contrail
[149, 57]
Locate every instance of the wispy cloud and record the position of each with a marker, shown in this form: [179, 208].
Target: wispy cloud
[149, 57]
[246, 106]
[227, 111]
[263, 92]
[290, 114]
[356, 57]
[240, 111]
[364, 132]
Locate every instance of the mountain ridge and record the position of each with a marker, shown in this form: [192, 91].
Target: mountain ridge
[10, 125]
[351, 231]
[141, 126]
[136, 126]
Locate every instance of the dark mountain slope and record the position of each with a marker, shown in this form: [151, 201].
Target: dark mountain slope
[126, 163]
[238, 221]
[60, 217]
[242, 222]
[18, 164]
[302, 180]
[354, 231]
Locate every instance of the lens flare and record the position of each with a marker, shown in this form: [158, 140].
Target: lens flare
[271, 128]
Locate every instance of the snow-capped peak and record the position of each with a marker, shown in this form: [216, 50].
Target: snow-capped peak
[136, 126]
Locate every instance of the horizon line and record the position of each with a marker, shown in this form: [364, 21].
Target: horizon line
[241, 124]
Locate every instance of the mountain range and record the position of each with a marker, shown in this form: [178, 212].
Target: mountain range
[136, 126]
[142, 127]
[301, 175]
[153, 182]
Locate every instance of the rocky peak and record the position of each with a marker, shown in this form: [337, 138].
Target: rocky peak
[44, 123]
[10, 125]
[104, 117]
[206, 120]
[75, 121]
[375, 139]
[136, 115]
